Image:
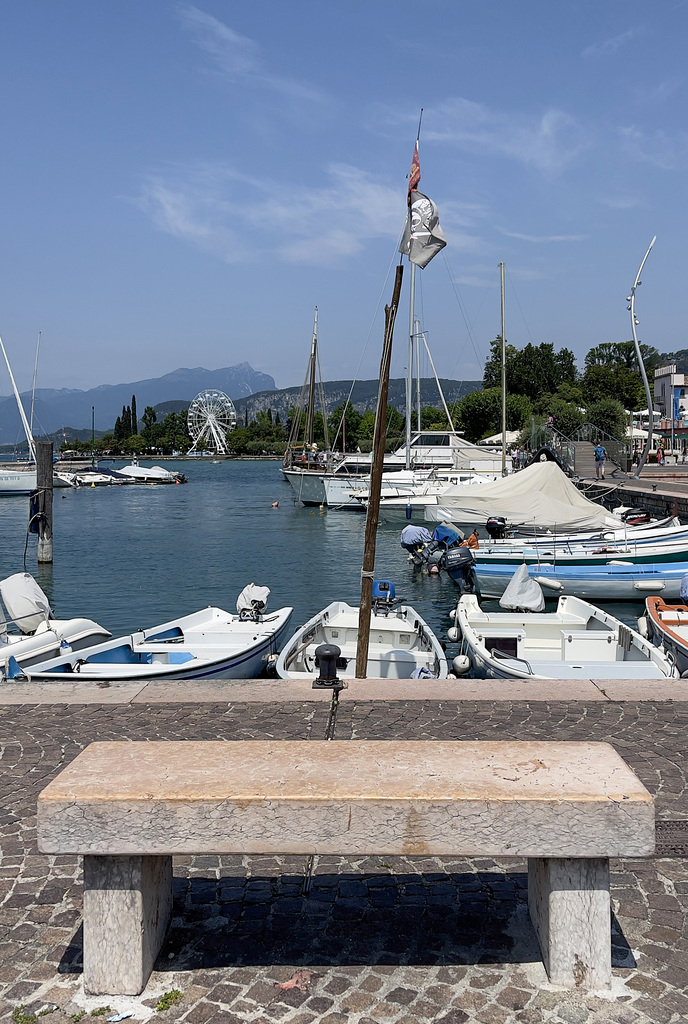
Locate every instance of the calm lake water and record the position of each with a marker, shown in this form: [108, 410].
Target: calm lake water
[133, 556]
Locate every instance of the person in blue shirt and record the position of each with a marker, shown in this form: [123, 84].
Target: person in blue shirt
[600, 456]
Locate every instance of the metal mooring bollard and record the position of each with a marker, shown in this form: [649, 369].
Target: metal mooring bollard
[327, 655]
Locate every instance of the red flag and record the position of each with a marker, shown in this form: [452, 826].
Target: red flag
[414, 176]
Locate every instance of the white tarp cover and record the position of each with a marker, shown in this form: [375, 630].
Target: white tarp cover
[253, 599]
[522, 593]
[25, 601]
[541, 497]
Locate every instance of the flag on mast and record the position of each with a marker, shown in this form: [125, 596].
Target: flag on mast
[423, 237]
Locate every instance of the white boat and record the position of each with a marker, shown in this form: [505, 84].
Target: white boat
[208, 643]
[667, 624]
[577, 641]
[33, 634]
[152, 474]
[401, 646]
[18, 481]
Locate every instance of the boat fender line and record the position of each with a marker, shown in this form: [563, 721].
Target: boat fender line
[544, 581]
[648, 585]
[643, 627]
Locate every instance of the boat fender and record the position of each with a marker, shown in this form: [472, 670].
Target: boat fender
[409, 510]
[454, 614]
[461, 664]
[452, 675]
[643, 627]
[648, 585]
[544, 581]
[453, 634]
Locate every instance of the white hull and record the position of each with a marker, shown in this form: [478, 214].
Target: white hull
[207, 644]
[577, 641]
[21, 481]
[400, 643]
[45, 642]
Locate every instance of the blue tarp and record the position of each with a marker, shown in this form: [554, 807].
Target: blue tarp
[446, 535]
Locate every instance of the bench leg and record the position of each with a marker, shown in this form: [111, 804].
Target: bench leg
[569, 905]
[127, 905]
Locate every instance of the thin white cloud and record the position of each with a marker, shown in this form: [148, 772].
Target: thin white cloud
[239, 218]
[668, 152]
[611, 45]
[543, 238]
[239, 58]
[548, 142]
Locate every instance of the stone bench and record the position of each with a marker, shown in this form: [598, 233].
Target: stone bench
[129, 807]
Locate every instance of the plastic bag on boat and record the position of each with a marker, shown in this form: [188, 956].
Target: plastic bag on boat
[684, 587]
[523, 594]
[252, 601]
[422, 673]
[25, 601]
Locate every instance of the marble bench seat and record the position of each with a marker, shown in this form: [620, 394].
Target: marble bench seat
[129, 807]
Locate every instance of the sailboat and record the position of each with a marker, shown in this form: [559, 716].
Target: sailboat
[21, 480]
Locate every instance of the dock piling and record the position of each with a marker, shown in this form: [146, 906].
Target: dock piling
[44, 484]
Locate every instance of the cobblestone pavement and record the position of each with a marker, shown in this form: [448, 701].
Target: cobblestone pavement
[396, 940]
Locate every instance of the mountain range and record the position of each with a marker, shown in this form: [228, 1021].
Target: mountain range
[67, 407]
[69, 410]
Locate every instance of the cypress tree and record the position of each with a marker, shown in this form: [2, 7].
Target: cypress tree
[246, 417]
[134, 417]
[117, 432]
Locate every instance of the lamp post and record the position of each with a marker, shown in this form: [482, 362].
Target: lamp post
[634, 322]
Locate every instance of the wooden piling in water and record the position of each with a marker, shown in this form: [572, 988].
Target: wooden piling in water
[44, 484]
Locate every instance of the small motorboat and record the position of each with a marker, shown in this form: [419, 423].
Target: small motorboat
[402, 645]
[577, 641]
[33, 634]
[208, 643]
[666, 622]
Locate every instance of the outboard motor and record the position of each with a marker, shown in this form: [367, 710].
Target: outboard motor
[459, 564]
[496, 527]
[635, 516]
[383, 596]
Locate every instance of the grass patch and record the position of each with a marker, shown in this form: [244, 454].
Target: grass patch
[168, 999]
[100, 1011]
[20, 1016]
[76, 1017]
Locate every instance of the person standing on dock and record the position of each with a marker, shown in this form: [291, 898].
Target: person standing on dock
[600, 456]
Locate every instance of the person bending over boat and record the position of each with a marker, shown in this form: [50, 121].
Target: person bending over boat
[472, 541]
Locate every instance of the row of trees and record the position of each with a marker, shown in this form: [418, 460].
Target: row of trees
[540, 382]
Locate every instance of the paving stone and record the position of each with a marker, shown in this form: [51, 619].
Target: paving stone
[377, 931]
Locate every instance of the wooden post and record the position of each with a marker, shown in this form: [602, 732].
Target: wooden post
[379, 440]
[44, 483]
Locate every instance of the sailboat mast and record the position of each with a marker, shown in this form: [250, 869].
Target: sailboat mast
[22, 414]
[418, 336]
[501, 276]
[33, 388]
[311, 389]
[409, 368]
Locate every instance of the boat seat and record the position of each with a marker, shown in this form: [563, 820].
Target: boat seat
[588, 645]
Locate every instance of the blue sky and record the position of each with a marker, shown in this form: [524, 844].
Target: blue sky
[183, 183]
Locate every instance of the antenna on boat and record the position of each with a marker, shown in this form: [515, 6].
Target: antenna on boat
[630, 299]
[413, 337]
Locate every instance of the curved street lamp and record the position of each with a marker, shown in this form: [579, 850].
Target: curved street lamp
[630, 299]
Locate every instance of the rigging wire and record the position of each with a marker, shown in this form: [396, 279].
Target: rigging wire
[515, 294]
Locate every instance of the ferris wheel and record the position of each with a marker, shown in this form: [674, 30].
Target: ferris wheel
[210, 418]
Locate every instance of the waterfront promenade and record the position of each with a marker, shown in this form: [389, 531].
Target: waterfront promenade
[380, 939]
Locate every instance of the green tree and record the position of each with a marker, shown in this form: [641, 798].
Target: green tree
[134, 419]
[608, 414]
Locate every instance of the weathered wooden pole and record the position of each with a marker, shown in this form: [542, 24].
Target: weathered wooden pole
[379, 439]
[44, 484]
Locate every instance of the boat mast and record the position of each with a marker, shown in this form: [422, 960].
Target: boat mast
[409, 368]
[634, 322]
[418, 337]
[33, 388]
[373, 511]
[501, 277]
[311, 390]
[22, 414]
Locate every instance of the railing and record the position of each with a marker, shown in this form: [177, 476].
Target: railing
[618, 451]
[549, 437]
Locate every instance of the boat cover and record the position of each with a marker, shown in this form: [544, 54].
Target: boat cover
[25, 601]
[523, 594]
[253, 599]
[447, 534]
[540, 496]
[684, 587]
